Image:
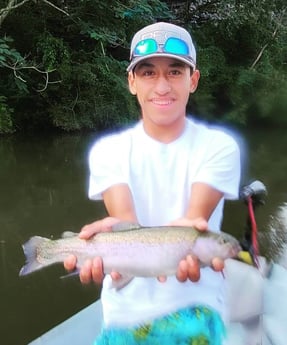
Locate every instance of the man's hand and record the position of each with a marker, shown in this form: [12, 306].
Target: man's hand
[189, 268]
[92, 270]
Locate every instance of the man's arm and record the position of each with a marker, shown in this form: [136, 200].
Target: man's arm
[119, 203]
[203, 201]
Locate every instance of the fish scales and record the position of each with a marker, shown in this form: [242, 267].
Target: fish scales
[155, 235]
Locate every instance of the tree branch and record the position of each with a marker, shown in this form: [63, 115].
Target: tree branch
[56, 7]
[272, 38]
[16, 69]
[12, 5]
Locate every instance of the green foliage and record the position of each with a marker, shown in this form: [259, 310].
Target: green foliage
[242, 57]
[12, 59]
[6, 123]
[7, 54]
[85, 55]
[71, 64]
[211, 91]
[146, 11]
[259, 97]
[100, 97]
[53, 51]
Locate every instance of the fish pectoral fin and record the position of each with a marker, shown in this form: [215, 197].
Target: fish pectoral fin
[121, 282]
[74, 273]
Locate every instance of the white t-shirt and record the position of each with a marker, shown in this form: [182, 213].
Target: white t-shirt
[160, 177]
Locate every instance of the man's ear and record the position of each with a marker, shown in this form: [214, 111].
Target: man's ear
[194, 79]
[131, 81]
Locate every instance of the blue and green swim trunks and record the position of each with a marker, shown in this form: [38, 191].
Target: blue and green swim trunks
[197, 325]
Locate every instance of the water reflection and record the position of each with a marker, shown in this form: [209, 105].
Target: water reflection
[43, 191]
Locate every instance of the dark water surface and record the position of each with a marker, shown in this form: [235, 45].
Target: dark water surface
[43, 191]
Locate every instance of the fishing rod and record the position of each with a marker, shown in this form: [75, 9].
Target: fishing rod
[253, 195]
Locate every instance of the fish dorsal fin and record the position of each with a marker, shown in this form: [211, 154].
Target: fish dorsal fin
[124, 226]
[69, 234]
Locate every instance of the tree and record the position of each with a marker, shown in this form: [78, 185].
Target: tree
[242, 58]
[80, 51]
[68, 70]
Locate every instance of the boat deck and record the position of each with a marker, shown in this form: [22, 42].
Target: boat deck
[72, 330]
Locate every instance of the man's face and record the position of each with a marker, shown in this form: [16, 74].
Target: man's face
[162, 86]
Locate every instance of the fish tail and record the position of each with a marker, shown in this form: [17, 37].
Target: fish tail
[30, 251]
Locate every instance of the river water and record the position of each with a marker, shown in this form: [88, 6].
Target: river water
[44, 182]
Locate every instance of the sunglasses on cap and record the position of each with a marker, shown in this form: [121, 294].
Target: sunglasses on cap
[172, 45]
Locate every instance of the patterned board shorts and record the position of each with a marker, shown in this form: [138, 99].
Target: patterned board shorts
[197, 325]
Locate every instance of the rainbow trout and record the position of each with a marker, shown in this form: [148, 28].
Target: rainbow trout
[136, 252]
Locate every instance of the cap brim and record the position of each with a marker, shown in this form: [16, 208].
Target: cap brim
[138, 59]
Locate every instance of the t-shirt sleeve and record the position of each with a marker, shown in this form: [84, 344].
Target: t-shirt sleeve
[106, 166]
[221, 166]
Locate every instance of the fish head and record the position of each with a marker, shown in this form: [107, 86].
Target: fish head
[212, 246]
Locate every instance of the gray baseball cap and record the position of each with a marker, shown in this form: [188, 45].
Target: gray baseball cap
[162, 39]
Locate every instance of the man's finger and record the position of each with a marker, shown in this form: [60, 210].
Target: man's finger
[70, 262]
[217, 264]
[88, 231]
[201, 224]
[97, 270]
[86, 272]
[193, 268]
[162, 279]
[115, 275]
[182, 270]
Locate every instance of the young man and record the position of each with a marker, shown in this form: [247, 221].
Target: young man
[167, 169]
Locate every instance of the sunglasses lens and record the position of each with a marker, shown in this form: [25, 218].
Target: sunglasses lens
[145, 47]
[176, 46]
[172, 45]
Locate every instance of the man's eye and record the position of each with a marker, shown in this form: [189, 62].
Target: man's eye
[175, 72]
[147, 73]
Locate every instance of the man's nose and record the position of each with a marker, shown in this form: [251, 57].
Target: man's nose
[163, 85]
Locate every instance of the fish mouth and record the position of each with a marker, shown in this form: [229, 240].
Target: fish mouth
[235, 251]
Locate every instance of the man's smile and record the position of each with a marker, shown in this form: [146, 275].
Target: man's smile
[162, 102]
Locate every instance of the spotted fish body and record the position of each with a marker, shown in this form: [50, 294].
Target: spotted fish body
[138, 252]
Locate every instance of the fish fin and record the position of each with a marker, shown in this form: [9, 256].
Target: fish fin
[122, 282]
[30, 251]
[69, 234]
[123, 226]
[76, 272]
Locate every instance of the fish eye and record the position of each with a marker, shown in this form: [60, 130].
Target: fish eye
[222, 240]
